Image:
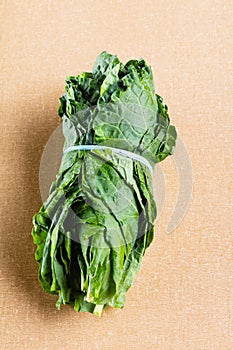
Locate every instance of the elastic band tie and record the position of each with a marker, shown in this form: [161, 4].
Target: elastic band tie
[116, 150]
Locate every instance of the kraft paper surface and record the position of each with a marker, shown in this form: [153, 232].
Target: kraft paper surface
[182, 297]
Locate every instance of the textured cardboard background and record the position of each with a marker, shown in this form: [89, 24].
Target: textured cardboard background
[182, 297]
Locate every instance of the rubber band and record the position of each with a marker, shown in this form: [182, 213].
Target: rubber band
[123, 152]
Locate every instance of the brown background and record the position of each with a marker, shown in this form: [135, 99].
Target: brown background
[182, 297]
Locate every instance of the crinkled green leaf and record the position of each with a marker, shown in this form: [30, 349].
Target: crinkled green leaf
[92, 231]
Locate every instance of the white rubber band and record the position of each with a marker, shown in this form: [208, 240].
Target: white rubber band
[116, 150]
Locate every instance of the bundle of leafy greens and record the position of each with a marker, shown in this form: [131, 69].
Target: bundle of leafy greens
[92, 231]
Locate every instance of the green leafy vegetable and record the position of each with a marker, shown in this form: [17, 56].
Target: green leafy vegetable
[92, 231]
